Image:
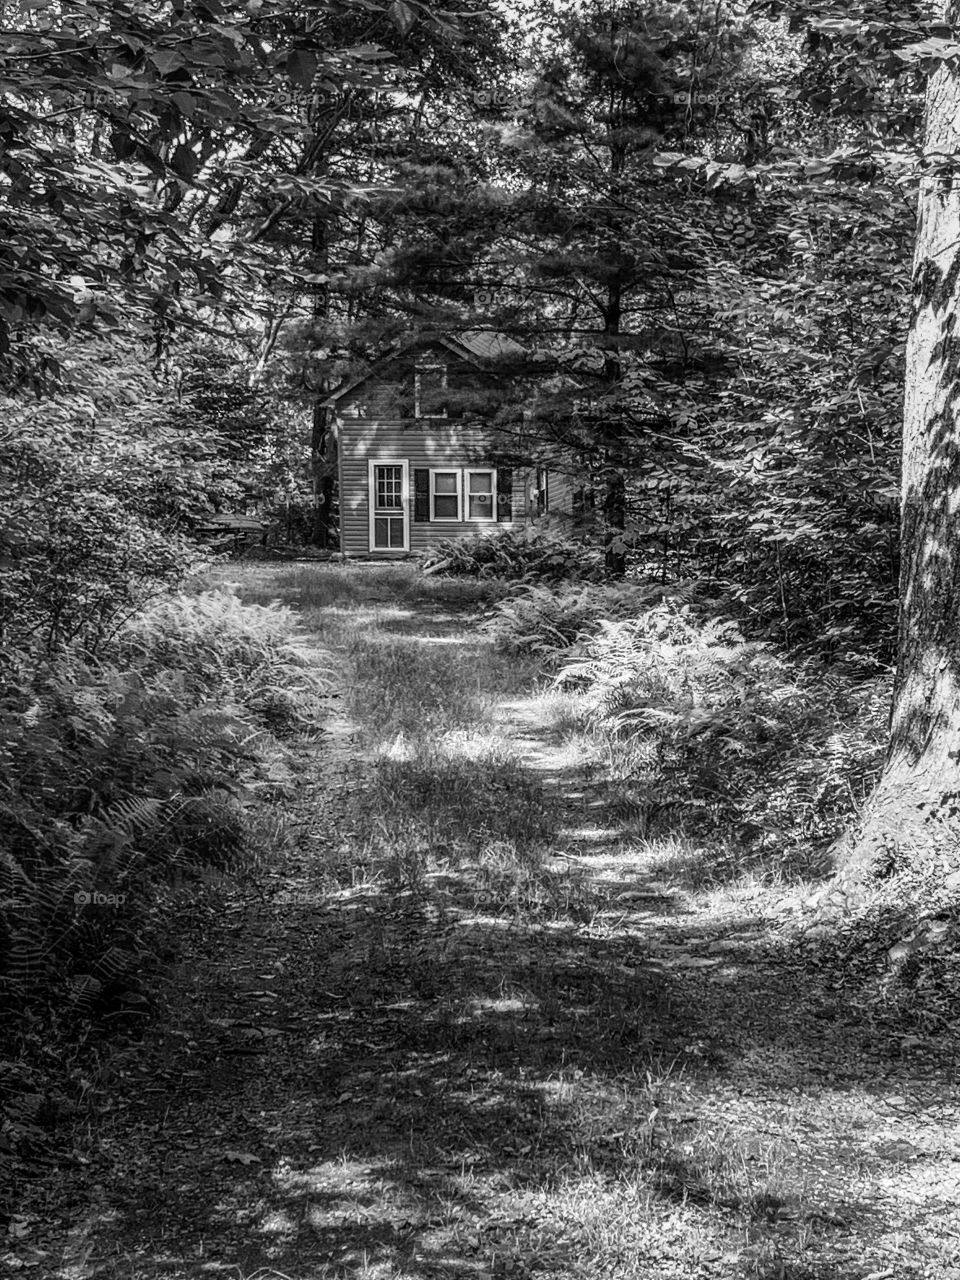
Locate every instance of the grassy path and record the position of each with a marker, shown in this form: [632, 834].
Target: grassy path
[466, 1023]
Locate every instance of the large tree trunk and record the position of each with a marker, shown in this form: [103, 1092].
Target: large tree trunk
[915, 811]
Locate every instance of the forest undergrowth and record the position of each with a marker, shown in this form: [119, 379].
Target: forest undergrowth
[491, 1005]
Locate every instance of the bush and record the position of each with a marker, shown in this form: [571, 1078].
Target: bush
[549, 620]
[525, 554]
[99, 492]
[120, 774]
[706, 728]
[252, 654]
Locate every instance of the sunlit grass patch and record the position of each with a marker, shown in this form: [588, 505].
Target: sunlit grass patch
[316, 585]
[402, 686]
[643, 1155]
[504, 882]
[719, 874]
[508, 853]
[410, 689]
[564, 710]
[463, 794]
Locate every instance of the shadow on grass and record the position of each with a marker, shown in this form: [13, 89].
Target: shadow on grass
[479, 1063]
[452, 1091]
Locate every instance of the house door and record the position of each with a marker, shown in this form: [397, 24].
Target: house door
[389, 490]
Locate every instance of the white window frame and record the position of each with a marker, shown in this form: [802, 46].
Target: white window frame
[446, 471]
[424, 368]
[480, 471]
[403, 511]
[541, 484]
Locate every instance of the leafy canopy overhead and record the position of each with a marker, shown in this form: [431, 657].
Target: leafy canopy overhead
[148, 152]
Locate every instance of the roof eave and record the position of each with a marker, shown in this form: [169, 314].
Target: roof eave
[444, 339]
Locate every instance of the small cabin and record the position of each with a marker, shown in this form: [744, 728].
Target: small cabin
[416, 451]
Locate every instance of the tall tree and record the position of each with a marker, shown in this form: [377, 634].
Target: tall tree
[915, 811]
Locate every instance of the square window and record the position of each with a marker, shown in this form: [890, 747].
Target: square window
[481, 495]
[444, 495]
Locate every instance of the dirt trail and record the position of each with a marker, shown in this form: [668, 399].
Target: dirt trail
[595, 1074]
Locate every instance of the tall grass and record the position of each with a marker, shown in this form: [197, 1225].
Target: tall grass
[315, 587]
[406, 686]
[443, 783]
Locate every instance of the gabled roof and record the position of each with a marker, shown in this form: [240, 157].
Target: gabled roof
[486, 345]
[475, 345]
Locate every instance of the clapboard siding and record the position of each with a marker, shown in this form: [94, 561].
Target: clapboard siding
[433, 443]
[390, 392]
[376, 422]
[559, 493]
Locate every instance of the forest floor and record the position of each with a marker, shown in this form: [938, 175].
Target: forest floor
[463, 1022]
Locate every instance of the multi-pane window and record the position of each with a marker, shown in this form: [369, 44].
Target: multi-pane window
[430, 383]
[389, 487]
[481, 492]
[460, 495]
[388, 519]
[387, 533]
[444, 495]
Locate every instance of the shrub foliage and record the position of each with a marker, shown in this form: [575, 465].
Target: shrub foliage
[548, 620]
[708, 729]
[525, 554]
[99, 492]
[122, 772]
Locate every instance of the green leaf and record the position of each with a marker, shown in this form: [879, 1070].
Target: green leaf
[167, 60]
[185, 162]
[302, 67]
[185, 103]
[932, 47]
[402, 16]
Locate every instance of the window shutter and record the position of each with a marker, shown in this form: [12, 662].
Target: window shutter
[505, 493]
[421, 495]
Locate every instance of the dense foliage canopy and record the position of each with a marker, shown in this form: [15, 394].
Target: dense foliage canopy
[698, 227]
